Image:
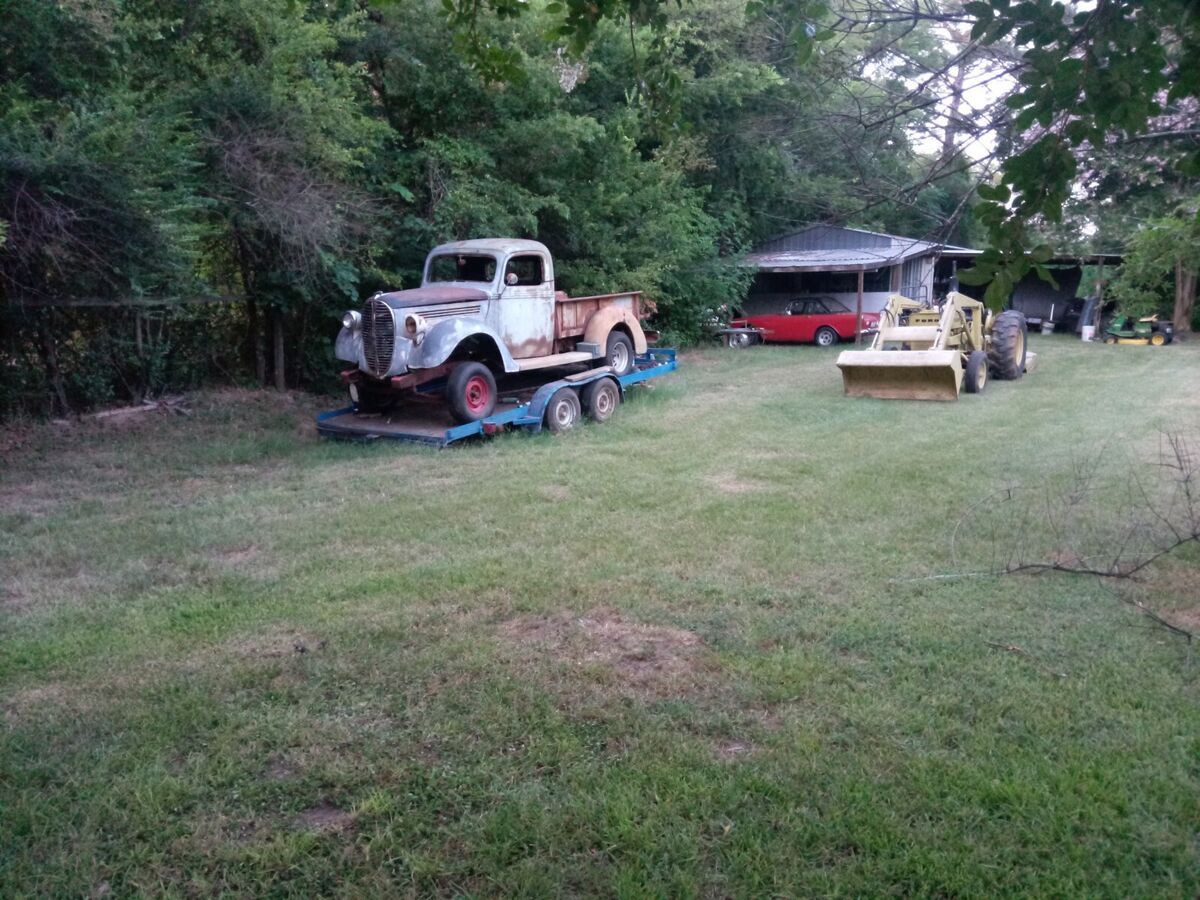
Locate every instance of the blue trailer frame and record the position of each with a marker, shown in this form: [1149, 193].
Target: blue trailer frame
[529, 415]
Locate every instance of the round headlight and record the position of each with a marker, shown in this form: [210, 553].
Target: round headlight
[351, 319]
[414, 326]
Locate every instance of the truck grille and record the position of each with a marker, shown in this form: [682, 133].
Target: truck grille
[378, 337]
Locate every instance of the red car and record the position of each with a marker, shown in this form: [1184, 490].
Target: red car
[814, 320]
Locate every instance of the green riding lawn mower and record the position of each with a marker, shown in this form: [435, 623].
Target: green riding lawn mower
[1145, 331]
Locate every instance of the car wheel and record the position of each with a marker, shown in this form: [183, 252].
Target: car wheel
[738, 341]
[601, 399]
[471, 392]
[563, 410]
[619, 353]
[826, 337]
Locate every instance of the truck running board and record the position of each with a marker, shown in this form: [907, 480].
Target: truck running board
[552, 361]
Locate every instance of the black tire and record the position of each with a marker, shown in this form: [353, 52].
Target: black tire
[601, 399]
[374, 398]
[563, 411]
[618, 353]
[826, 337]
[975, 378]
[471, 392]
[1006, 352]
[1110, 339]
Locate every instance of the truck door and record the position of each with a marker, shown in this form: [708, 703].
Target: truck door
[523, 314]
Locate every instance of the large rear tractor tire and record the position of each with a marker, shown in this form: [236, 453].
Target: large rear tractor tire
[1006, 352]
[471, 392]
[618, 353]
[976, 376]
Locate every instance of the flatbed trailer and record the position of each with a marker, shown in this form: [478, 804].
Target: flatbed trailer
[523, 404]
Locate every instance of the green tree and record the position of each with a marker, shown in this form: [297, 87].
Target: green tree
[1160, 270]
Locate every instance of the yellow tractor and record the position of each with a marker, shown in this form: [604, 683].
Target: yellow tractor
[929, 353]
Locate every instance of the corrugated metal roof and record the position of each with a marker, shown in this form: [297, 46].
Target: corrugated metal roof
[827, 248]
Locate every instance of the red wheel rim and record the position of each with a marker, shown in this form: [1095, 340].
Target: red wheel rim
[477, 393]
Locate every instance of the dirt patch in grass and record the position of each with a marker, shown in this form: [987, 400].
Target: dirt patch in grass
[28, 703]
[277, 642]
[324, 817]
[653, 659]
[279, 769]
[236, 556]
[727, 483]
[1188, 619]
[731, 750]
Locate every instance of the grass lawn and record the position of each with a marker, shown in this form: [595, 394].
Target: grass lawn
[693, 652]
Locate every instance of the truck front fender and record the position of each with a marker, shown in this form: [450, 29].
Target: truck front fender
[443, 338]
[605, 320]
[348, 346]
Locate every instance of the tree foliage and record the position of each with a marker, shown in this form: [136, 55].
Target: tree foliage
[1093, 77]
[298, 154]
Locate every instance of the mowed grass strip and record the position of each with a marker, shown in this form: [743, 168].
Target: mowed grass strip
[695, 651]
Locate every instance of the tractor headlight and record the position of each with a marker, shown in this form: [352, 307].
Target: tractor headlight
[414, 327]
[352, 320]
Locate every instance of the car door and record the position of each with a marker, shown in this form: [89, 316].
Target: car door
[808, 319]
[839, 318]
[523, 313]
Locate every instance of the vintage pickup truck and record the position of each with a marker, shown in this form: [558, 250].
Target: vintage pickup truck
[485, 308]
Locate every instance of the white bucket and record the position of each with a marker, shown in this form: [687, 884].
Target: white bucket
[1047, 328]
[1088, 332]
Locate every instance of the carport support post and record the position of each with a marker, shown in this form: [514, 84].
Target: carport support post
[858, 311]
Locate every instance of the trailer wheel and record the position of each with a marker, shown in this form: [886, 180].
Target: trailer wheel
[619, 353]
[975, 378]
[601, 399]
[471, 392]
[563, 411]
[739, 340]
[1006, 352]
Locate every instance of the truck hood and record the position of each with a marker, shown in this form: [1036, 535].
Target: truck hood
[432, 296]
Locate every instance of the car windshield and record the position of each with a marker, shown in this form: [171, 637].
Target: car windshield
[462, 267]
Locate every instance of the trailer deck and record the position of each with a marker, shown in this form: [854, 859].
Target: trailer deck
[424, 417]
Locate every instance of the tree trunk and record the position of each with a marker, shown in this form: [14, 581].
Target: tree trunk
[50, 361]
[254, 327]
[277, 330]
[1185, 299]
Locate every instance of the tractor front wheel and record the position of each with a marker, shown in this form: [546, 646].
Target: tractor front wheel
[975, 379]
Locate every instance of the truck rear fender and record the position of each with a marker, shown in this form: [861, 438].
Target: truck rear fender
[444, 338]
[605, 320]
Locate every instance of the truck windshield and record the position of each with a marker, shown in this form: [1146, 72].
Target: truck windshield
[462, 267]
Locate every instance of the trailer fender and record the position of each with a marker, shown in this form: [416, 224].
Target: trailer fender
[440, 341]
[604, 321]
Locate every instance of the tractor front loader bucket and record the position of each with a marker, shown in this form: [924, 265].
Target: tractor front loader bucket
[902, 374]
